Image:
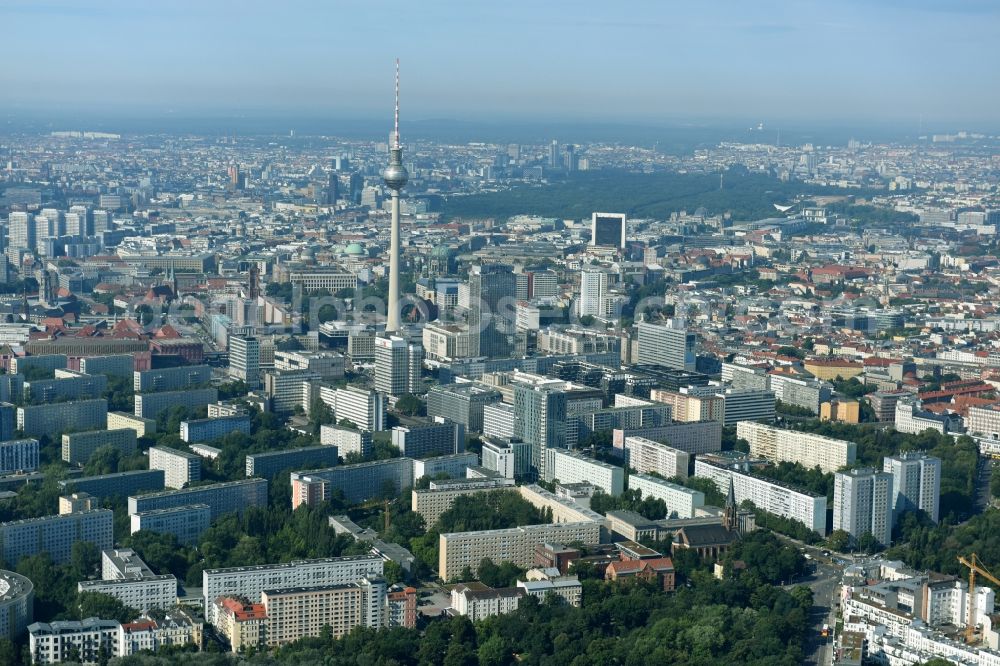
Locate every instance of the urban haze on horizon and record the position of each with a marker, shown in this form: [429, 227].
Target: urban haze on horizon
[407, 334]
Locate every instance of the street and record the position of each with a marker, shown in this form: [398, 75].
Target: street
[824, 581]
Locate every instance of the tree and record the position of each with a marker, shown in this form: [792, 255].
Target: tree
[838, 541]
[104, 606]
[410, 405]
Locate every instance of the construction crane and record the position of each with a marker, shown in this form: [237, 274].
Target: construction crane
[975, 566]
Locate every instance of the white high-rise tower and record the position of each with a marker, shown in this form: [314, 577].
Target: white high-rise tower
[395, 177]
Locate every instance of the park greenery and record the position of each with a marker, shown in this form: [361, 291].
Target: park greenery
[742, 619]
[744, 195]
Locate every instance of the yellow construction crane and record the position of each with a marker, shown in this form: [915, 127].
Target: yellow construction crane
[975, 566]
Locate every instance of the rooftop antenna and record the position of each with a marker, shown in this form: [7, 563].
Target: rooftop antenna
[395, 133]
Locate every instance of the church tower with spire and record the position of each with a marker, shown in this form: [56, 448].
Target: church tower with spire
[730, 518]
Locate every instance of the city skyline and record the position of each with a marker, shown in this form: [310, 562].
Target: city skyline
[777, 62]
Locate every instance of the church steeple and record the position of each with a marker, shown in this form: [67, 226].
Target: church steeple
[730, 516]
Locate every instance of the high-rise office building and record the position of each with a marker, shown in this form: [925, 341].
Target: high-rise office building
[608, 229]
[593, 293]
[554, 161]
[492, 299]
[21, 232]
[244, 359]
[916, 483]
[862, 503]
[669, 344]
[540, 420]
[397, 366]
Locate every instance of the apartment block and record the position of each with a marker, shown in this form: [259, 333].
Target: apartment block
[808, 449]
[347, 440]
[439, 437]
[250, 582]
[150, 405]
[687, 406]
[116, 484]
[62, 640]
[18, 455]
[645, 456]
[748, 404]
[297, 612]
[457, 550]
[573, 467]
[171, 379]
[477, 601]
[984, 421]
[67, 385]
[916, 483]
[364, 408]
[328, 365]
[56, 534]
[126, 577]
[681, 502]
[185, 522]
[358, 483]
[862, 503]
[693, 438]
[455, 465]
[179, 467]
[509, 459]
[39, 420]
[461, 403]
[780, 499]
[206, 430]
[119, 365]
[78, 447]
[498, 420]
[222, 498]
[431, 502]
[143, 427]
[268, 465]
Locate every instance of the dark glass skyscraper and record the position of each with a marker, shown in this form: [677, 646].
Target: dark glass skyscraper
[492, 295]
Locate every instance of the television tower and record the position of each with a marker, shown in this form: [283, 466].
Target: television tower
[395, 177]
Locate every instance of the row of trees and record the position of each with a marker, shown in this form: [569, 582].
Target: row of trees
[744, 619]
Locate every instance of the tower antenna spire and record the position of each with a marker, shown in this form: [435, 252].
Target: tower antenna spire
[396, 132]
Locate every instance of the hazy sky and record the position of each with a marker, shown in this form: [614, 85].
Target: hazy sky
[649, 61]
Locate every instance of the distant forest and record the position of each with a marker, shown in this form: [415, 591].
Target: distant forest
[746, 196]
